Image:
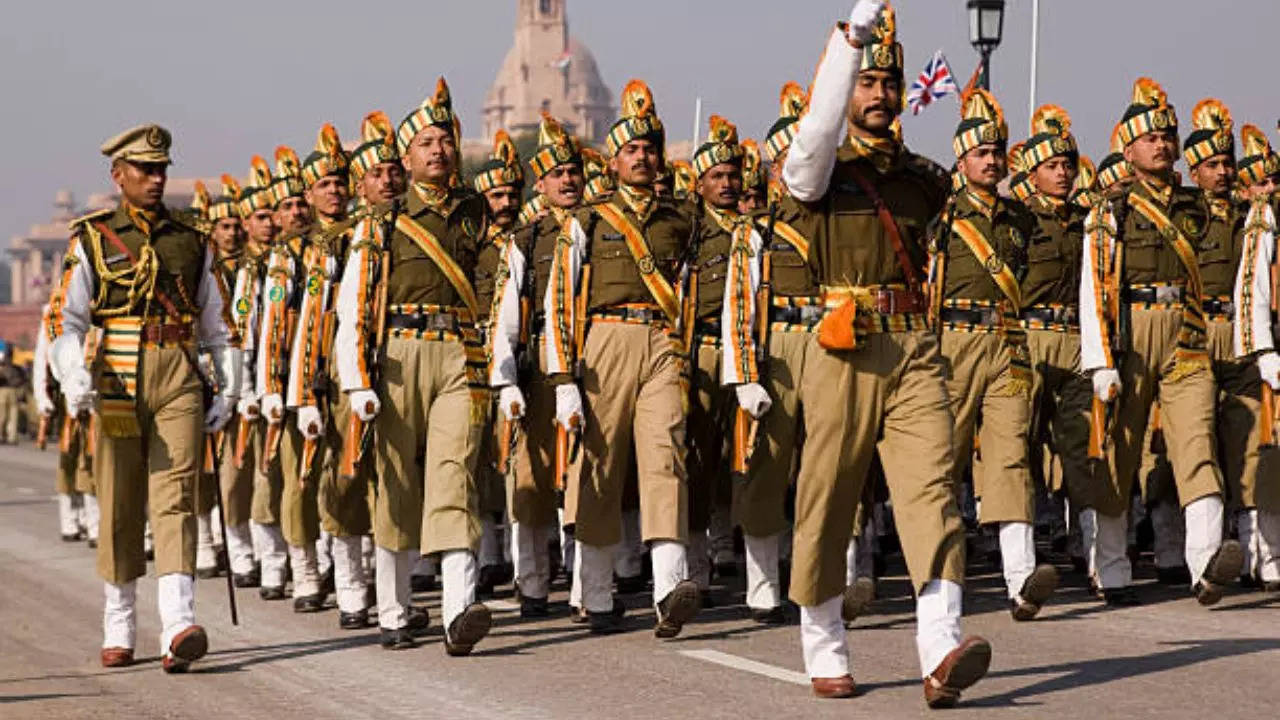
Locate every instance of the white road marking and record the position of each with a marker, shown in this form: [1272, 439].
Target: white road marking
[751, 666]
[501, 605]
[26, 491]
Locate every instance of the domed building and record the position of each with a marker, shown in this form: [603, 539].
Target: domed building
[549, 70]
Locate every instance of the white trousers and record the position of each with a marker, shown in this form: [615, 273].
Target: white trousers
[531, 557]
[240, 548]
[1106, 541]
[206, 553]
[670, 566]
[176, 595]
[349, 578]
[458, 575]
[272, 550]
[1017, 554]
[1204, 519]
[490, 542]
[306, 572]
[1268, 544]
[628, 554]
[1170, 533]
[69, 509]
[764, 590]
[324, 552]
[90, 515]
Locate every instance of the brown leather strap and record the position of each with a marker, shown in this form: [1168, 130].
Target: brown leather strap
[890, 228]
[116, 242]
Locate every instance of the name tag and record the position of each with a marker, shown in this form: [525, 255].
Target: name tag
[612, 237]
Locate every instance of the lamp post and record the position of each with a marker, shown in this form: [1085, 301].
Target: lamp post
[986, 29]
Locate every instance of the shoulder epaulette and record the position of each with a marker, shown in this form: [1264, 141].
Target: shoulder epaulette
[191, 220]
[87, 217]
[600, 199]
[925, 167]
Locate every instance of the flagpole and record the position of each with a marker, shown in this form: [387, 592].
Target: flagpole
[697, 123]
[1035, 53]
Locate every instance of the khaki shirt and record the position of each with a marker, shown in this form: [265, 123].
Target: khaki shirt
[1008, 229]
[1053, 258]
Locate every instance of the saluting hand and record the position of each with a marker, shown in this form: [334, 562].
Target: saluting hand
[862, 21]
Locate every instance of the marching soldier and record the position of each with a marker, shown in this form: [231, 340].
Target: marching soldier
[1060, 393]
[207, 560]
[1143, 332]
[256, 559]
[872, 376]
[788, 289]
[979, 262]
[407, 338]
[531, 488]
[500, 179]
[1254, 338]
[717, 164]
[613, 324]
[141, 274]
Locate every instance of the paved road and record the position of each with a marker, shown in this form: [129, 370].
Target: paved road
[1167, 659]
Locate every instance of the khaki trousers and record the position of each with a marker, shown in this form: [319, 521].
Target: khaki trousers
[632, 392]
[889, 394]
[531, 493]
[154, 473]
[709, 427]
[759, 505]
[299, 508]
[75, 473]
[1252, 476]
[268, 483]
[9, 404]
[427, 445]
[237, 484]
[1061, 398]
[985, 401]
[1187, 413]
[346, 505]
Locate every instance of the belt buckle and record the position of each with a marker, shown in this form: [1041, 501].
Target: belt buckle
[645, 315]
[886, 302]
[1168, 294]
[810, 313]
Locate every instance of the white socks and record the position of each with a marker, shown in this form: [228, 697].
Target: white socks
[670, 567]
[1106, 542]
[177, 600]
[1204, 533]
[392, 578]
[206, 554]
[822, 639]
[938, 611]
[1268, 534]
[763, 577]
[306, 576]
[595, 573]
[90, 515]
[349, 579]
[458, 575]
[273, 551]
[240, 548]
[68, 515]
[529, 554]
[1017, 554]
[119, 615]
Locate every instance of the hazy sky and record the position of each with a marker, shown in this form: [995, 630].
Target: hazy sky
[232, 78]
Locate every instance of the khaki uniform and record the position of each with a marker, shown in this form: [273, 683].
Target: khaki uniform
[981, 377]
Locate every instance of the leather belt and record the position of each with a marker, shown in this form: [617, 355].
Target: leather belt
[167, 333]
[422, 322]
[797, 315]
[709, 327]
[1218, 306]
[1159, 294]
[638, 315]
[985, 317]
[1048, 314]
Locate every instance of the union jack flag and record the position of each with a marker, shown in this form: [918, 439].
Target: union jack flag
[935, 82]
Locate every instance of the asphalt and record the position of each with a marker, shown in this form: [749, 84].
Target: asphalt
[1169, 658]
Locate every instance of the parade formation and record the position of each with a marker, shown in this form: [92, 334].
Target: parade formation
[356, 375]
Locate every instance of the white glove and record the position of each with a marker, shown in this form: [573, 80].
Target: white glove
[511, 402]
[77, 390]
[44, 405]
[863, 19]
[248, 408]
[568, 405]
[273, 408]
[754, 399]
[360, 400]
[1106, 384]
[310, 424]
[1269, 367]
[219, 412]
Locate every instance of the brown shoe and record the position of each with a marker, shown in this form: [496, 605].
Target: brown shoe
[960, 669]
[857, 599]
[185, 648]
[837, 687]
[677, 608]
[467, 629]
[1036, 589]
[1224, 566]
[114, 657]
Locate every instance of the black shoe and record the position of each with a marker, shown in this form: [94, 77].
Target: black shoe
[533, 608]
[467, 629]
[357, 620]
[1079, 564]
[72, 537]
[93, 543]
[207, 573]
[271, 593]
[605, 623]
[487, 580]
[1225, 564]
[727, 569]
[309, 603]
[398, 639]
[1271, 586]
[577, 615]
[630, 585]
[370, 596]
[326, 583]
[419, 621]
[1249, 582]
[677, 608]
[1177, 575]
[250, 579]
[1036, 589]
[422, 583]
[151, 554]
[1120, 597]
[776, 615]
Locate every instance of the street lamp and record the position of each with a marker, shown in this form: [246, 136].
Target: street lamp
[986, 29]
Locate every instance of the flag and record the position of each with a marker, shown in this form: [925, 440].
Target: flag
[934, 82]
[562, 62]
[978, 79]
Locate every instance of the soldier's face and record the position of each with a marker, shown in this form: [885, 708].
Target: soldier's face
[984, 166]
[721, 186]
[636, 162]
[141, 184]
[1216, 174]
[383, 182]
[504, 205]
[431, 156]
[261, 226]
[877, 99]
[751, 199]
[1055, 177]
[563, 185]
[293, 214]
[226, 234]
[1264, 188]
[1153, 153]
[329, 195]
